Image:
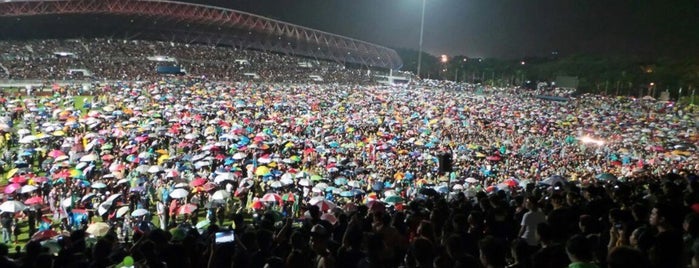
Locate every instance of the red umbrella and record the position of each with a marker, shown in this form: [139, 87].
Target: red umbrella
[107, 157]
[257, 205]
[34, 201]
[44, 235]
[493, 158]
[271, 197]
[209, 186]
[18, 179]
[62, 174]
[198, 182]
[325, 205]
[187, 209]
[40, 179]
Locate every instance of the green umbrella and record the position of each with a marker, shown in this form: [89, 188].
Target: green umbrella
[394, 199]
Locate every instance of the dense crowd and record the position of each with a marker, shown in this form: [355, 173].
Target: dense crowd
[194, 172]
[129, 60]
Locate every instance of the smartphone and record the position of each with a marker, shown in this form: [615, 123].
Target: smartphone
[225, 237]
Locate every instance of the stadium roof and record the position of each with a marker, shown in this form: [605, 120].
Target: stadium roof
[183, 22]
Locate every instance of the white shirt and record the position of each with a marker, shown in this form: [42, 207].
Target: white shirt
[530, 221]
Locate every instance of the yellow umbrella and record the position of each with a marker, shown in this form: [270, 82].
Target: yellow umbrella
[480, 155]
[261, 171]
[11, 173]
[161, 151]
[59, 133]
[162, 159]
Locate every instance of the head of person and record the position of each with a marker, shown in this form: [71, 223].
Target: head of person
[492, 252]
[319, 238]
[621, 257]
[579, 249]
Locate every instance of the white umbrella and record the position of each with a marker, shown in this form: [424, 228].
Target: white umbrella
[220, 195]
[122, 211]
[27, 139]
[27, 189]
[99, 185]
[88, 158]
[275, 184]
[179, 193]
[87, 197]
[61, 158]
[200, 164]
[190, 136]
[139, 212]
[103, 208]
[12, 206]
[471, 180]
[111, 198]
[142, 169]
[155, 169]
[224, 177]
[23, 131]
[305, 182]
[238, 156]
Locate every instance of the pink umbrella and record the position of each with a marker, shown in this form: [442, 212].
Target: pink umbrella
[198, 182]
[56, 153]
[34, 201]
[40, 179]
[187, 209]
[493, 158]
[12, 188]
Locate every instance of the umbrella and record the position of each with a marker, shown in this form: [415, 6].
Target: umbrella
[271, 197]
[198, 182]
[155, 169]
[12, 206]
[44, 235]
[139, 212]
[99, 185]
[179, 193]
[394, 199]
[224, 177]
[34, 201]
[325, 205]
[220, 195]
[606, 177]
[27, 189]
[98, 229]
[276, 184]
[12, 188]
[122, 211]
[471, 180]
[89, 158]
[553, 180]
[305, 182]
[187, 209]
[428, 191]
[239, 156]
[56, 153]
[18, 179]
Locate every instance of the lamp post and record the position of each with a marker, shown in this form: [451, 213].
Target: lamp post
[422, 29]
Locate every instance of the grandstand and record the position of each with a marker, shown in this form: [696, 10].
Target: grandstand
[166, 28]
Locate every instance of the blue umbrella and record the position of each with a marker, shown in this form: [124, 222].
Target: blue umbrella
[340, 180]
[606, 177]
[347, 194]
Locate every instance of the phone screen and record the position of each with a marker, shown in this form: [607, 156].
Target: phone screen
[225, 237]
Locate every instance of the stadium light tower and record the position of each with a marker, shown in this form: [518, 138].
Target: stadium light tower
[422, 29]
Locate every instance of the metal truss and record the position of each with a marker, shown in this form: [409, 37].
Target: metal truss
[224, 26]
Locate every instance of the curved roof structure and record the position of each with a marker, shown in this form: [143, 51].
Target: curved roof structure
[185, 22]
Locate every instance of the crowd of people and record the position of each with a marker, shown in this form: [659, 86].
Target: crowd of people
[196, 172]
[107, 59]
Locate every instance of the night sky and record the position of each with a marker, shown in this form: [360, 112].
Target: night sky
[500, 28]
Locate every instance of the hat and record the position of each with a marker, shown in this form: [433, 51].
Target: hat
[319, 231]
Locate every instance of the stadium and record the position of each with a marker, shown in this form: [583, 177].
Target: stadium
[181, 23]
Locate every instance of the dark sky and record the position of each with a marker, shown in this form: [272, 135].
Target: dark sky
[499, 28]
